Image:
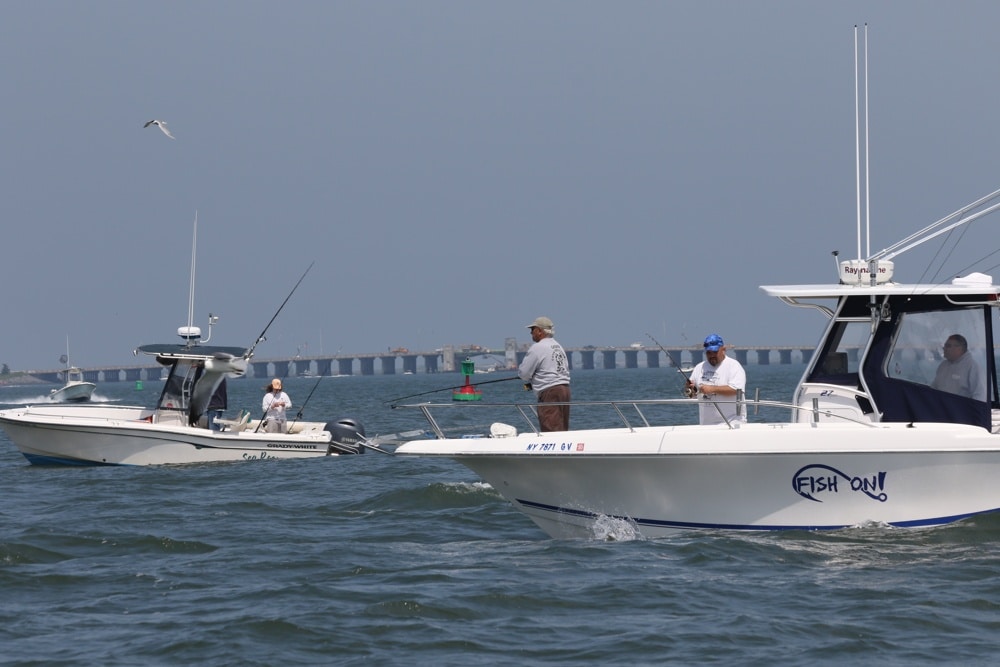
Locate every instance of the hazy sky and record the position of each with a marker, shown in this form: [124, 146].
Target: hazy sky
[456, 169]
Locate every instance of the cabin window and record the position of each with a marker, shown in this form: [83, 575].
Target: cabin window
[919, 355]
[839, 364]
[177, 391]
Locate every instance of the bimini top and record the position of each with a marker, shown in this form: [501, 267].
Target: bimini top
[974, 284]
[181, 351]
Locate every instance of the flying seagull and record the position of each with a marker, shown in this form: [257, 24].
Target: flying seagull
[160, 124]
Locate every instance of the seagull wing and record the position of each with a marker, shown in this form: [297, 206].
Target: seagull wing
[163, 126]
[149, 123]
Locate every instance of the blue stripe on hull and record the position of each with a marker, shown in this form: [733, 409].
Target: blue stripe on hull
[936, 521]
[36, 460]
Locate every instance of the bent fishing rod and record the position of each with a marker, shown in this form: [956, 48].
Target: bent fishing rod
[674, 363]
[690, 391]
[393, 401]
[249, 353]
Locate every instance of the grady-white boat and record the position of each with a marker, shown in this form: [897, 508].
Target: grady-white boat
[176, 430]
[75, 390]
[875, 433]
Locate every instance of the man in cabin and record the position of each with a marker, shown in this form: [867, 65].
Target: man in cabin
[959, 373]
[545, 369]
[718, 378]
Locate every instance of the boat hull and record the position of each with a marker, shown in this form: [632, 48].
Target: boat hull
[757, 477]
[74, 392]
[121, 435]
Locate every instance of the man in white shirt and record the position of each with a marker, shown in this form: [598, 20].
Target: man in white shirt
[719, 378]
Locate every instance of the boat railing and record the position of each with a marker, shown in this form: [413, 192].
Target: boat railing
[633, 413]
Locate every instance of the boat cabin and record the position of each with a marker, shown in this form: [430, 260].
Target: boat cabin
[902, 353]
[195, 373]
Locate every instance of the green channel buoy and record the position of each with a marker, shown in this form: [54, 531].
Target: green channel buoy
[467, 392]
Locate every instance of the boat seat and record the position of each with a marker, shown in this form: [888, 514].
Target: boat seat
[236, 425]
[501, 430]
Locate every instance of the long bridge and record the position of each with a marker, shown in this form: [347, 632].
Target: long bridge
[448, 359]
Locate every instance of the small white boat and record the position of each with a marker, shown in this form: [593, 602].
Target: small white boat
[76, 389]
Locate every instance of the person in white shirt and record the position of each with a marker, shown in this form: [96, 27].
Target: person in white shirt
[275, 406]
[959, 373]
[546, 368]
[718, 380]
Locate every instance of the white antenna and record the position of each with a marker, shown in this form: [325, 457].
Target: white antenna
[861, 105]
[862, 271]
[191, 333]
[194, 255]
[857, 136]
[868, 226]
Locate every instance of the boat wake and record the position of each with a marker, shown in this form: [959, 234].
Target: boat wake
[37, 399]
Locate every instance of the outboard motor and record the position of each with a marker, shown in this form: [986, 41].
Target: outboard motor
[347, 434]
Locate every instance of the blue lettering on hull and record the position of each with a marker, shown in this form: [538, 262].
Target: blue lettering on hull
[816, 480]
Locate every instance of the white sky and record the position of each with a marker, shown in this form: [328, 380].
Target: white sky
[456, 169]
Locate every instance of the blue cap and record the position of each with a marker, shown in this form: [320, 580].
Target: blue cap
[713, 343]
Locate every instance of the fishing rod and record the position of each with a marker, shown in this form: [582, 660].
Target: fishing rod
[675, 364]
[690, 391]
[263, 416]
[434, 391]
[298, 415]
[249, 353]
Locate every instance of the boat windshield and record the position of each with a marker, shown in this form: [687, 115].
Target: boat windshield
[931, 360]
[944, 349]
[179, 385]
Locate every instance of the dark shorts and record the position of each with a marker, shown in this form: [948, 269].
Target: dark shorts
[554, 417]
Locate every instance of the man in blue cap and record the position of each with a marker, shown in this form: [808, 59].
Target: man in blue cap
[717, 380]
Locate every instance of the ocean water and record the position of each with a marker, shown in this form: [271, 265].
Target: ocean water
[384, 561]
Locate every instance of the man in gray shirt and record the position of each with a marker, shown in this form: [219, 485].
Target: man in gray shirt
[546, 368]
[959, 373]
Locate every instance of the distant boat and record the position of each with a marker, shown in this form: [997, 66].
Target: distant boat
[76, 389]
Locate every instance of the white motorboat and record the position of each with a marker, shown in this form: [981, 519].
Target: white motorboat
[76, 389]
[870, 435]
[869, 439]
[176, 430]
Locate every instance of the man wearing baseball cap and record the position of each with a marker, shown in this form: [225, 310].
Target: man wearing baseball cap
[717, 380]
[546, 368]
